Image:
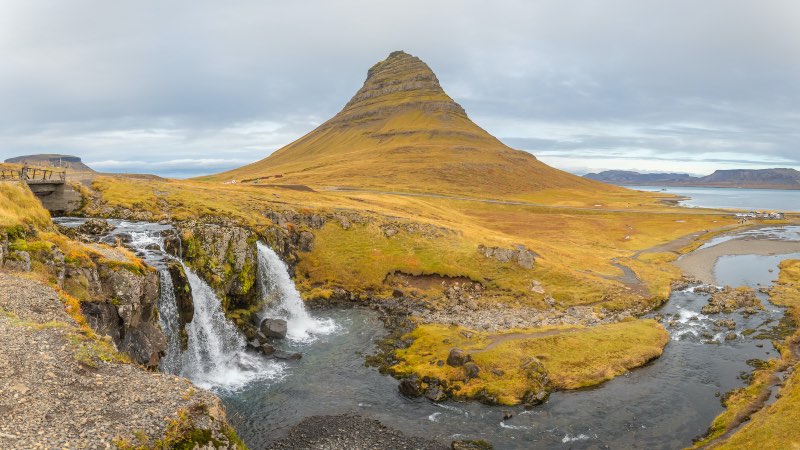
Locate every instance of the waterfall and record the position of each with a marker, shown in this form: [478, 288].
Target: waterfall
[216, 353]
[168, 320]
[282, 301]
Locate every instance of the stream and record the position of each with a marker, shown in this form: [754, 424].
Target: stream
[662, 405]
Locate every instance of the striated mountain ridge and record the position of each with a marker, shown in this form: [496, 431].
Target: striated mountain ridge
[402, 132]
[779, 178]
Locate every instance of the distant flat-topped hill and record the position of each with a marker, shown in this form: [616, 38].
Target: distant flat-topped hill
[738, 178]
[402, 132]
[52, 160]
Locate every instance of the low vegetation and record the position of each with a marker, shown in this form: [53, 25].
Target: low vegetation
[572, 357]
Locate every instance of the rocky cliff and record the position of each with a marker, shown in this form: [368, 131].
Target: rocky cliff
[117, 293]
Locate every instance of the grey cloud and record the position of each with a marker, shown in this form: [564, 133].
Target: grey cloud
[157, 81]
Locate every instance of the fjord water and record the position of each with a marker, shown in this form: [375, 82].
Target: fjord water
[786, 200]
[663, 405]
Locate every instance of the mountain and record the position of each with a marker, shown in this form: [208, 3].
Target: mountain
[738, 178]
[402, 132]
[52, 160]
[625, 177]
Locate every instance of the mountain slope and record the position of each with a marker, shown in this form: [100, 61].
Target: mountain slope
[738, 178]
[402, 132]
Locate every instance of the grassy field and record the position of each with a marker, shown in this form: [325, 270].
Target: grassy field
[576, 247]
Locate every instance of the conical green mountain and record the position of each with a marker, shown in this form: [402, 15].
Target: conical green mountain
[402, 132]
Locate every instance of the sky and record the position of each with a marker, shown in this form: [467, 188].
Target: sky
[190, 87]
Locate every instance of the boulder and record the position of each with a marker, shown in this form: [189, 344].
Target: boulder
[470, 445]
[281, 354]
[269, 350]
[472, 369]
[273, 328]
[458, 357]
[411, 387]
[95, 227]
[435, 392]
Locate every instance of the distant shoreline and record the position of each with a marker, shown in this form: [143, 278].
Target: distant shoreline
[714, 186]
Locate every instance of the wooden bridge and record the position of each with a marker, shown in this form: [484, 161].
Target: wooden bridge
[34, 175]
[49, 185]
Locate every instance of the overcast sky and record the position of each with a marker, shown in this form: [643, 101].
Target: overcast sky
[182, 88]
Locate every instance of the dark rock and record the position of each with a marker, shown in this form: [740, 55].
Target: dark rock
[183, 297]
[281, 354]
[172, 244]
[411, 386]
[471, 445]
[274, 328]
[271, 351]
[730, 336]
[472, 370]
[435, 392]
[458, 357]
[305, 241]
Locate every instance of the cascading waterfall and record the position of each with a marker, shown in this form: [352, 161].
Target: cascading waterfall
[283, 301]
[168, 320]
[216, 354]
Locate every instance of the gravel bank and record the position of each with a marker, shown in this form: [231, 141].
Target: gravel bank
[700, 263]
[48, 399]
[350, 432]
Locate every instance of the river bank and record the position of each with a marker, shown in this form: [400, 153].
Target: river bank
[700, 263]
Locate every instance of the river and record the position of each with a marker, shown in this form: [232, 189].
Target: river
[662, 405]
[785, 200]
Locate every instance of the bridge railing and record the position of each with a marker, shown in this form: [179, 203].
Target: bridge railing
[33, 175]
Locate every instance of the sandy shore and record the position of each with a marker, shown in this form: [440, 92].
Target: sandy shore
[700, 263]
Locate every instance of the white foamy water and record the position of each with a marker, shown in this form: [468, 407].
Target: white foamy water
[170, 325]
[283, 301]
[216, 355]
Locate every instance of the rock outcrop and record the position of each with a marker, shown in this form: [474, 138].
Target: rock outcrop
[520, 254]
[730, 299]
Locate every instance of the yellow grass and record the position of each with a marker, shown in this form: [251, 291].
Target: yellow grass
[19, 207]
[573, 356]
[576, 246]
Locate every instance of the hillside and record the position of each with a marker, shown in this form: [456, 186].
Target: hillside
[52, 159]
[402, 132]
[739, 178]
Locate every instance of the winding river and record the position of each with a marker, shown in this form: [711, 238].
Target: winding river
[663, 405]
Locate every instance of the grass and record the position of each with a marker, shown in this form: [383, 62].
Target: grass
[20, 208]
[573, 357]
[576, 246]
